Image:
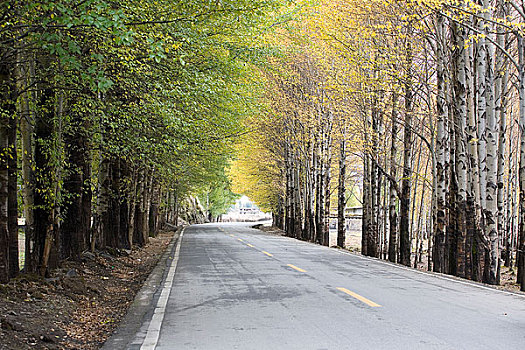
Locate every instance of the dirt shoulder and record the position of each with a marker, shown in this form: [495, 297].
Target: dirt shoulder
[81, 304]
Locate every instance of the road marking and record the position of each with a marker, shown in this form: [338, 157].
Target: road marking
[249, 245]
[296, 268]
[267, 253]
[359, 297]
[232, 235]
[152, 335]
[240, 240]
[449, 278]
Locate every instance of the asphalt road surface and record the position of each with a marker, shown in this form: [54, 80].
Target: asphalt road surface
[239, 288]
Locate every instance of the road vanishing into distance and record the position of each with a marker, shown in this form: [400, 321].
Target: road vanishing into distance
[236, 287]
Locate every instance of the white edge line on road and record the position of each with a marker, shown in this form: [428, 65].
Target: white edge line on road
[152, 336]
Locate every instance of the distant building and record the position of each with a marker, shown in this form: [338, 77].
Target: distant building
[245, 210]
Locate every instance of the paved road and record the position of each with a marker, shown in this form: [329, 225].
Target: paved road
[239, 288]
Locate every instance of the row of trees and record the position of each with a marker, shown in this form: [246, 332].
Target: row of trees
[422, 104]
[112, 113]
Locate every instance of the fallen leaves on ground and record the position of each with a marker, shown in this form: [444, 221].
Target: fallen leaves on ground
[81, 304]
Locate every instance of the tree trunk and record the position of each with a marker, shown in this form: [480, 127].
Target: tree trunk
[461, 159]
[327, 178]
[441, 163]
[392, 212]
[4, 184]
[8, 166]
[491, 167]
[132, 199]
[289, 192]
[320, 220]
[313, 188]
[451, 238]
[473, 213]
[365, 221]
[12, 205]
[148, 184]
[45, 247]
[177, 208]
[500, 92]
[310, 197]
[125, 173]
[102, 218]
[51, 172]
[421, 217]
[521, 90]
[341, 195]
[74, 228]
[415, 168]
[404, 208]
[297, 217]
[374, 190]
[27, 121]
[154, 209]
[510, 202]
[138, 237]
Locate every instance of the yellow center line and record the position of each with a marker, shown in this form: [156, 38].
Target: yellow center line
[240, 240]
[296, 268]
[249, 245]
[359, 297]
[266, 253]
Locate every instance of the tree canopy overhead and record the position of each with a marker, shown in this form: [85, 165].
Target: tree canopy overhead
[120, 110]
[416, 109]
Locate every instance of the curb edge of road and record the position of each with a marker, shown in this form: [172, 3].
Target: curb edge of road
[402, 267]
[140, 310]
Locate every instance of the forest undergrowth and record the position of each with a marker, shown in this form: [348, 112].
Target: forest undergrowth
[80, 304]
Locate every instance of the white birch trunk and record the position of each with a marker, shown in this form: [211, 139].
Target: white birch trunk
[491, 161]
[461, 160]
[441, 162]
